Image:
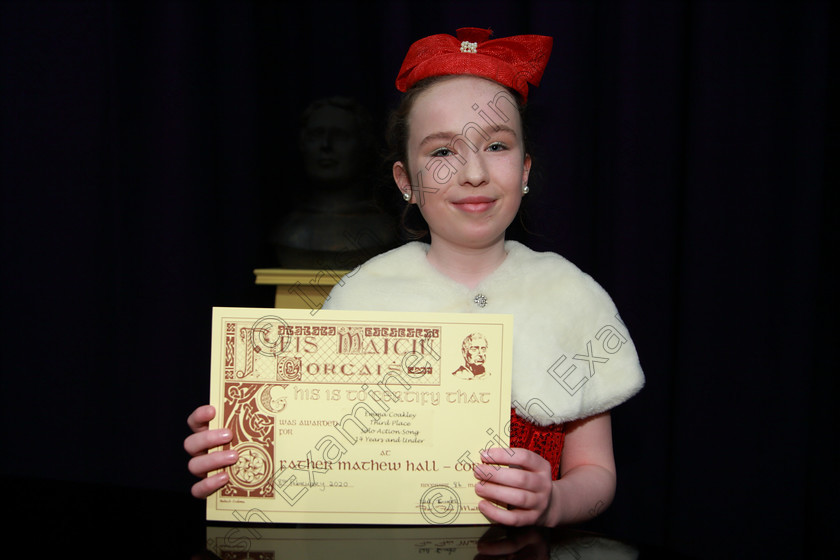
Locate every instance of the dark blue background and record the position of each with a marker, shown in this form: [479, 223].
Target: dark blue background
[685, 157]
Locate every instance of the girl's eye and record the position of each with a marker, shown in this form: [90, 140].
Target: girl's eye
[496, 147]
[442, 152]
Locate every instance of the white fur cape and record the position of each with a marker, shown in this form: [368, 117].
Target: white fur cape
[572, 356]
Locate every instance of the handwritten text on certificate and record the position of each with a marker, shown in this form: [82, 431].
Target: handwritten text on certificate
[358, 417]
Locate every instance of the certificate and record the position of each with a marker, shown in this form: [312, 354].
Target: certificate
[358, 417]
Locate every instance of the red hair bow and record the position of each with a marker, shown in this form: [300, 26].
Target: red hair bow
[511, 61]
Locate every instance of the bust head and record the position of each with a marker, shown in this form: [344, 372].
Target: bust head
[336, 141]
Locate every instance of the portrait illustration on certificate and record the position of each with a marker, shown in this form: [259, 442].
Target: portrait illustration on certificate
[474, 350]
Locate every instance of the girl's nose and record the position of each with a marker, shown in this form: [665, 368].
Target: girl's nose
[474, 171]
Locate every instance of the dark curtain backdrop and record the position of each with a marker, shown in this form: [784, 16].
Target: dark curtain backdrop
[684, 158]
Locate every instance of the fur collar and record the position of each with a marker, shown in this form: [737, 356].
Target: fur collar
[572, 358]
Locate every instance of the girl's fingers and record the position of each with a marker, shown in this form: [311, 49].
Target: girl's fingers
[203, 464]
[200, 442]
[207, 486]
[200, 417]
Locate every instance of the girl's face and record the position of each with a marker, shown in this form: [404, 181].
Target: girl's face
[466, 161]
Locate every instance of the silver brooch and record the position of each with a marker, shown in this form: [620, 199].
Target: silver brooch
[480, 300]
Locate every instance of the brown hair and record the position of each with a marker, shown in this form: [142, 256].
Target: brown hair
[412, 224]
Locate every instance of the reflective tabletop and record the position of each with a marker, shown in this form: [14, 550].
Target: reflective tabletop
[111, 521]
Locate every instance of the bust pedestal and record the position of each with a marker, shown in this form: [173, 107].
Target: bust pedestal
[299, 288]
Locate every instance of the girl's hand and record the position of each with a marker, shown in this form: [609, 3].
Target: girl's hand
[202, 462]
[585, 488]
[525, 488]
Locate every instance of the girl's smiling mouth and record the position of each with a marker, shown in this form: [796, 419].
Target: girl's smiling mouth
[475, 204]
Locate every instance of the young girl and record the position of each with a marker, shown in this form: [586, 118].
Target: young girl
[461, 161]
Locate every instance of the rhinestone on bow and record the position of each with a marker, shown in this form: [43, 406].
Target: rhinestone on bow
[468, 47]
[480, 300]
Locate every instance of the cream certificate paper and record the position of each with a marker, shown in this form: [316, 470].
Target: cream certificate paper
[358, 417]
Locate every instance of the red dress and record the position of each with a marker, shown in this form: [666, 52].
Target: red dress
[546, 441]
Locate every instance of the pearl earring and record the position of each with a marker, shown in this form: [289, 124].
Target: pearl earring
[406, 196]
[525, 189]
